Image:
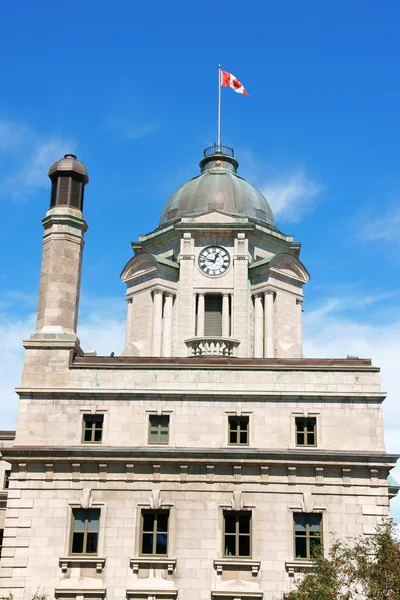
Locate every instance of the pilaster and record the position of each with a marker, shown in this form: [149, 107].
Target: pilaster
[241, 294]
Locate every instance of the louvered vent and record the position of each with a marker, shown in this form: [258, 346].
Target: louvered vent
[53, 194]
[63, 189]
[76, 187]
[213, 315]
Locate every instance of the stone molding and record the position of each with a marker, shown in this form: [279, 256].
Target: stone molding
[99, 561]
[160, 563]
[144, 454]
[240, 564]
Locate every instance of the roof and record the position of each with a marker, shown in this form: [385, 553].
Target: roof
[218, 188]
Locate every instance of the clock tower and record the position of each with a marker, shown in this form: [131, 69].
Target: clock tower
[216, 277]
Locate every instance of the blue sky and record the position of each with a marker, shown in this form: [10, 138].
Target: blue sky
[132, 90]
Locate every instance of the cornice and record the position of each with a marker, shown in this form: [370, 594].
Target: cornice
[79, 393]
[201, 455]
[236, 364]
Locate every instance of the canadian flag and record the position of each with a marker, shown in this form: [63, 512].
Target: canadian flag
[230, 80]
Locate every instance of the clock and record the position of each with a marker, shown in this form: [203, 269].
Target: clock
[214, 261]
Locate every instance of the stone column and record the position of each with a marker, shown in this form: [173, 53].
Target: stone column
[194, 315]
[157, 322]
[167, 331]
[300, 325]
[200, 315]
[225, 315]
[258, 326]
[129, 321]
[269, 335]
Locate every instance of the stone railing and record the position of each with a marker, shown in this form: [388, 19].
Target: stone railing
[212, 346]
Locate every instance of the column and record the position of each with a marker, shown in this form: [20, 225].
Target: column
[167, 331]
[129, 321]
[225, 315]
[194, 315]
[258, 326]
[157, 322]
[300, 324]
[200, 315]
[269, 336]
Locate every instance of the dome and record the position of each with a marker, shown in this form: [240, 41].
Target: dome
[218, 187]
[69, 164]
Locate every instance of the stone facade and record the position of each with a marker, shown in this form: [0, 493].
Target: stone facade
[206, 460]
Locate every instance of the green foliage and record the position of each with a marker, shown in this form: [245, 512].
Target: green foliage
[38, 595]
[368, 568]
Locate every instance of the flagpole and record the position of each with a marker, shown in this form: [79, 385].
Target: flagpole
[219, 105]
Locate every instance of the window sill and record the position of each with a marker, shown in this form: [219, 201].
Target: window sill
[82, 559]
[165, 594]
[156, 561]
[299, 565]
[84, 592]
[239, 563]
[240, 595]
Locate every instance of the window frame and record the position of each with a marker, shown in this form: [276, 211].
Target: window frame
[154, 531]
[85, 532]
[306, 432]
[6, 482]
[237, 534]
[238, 430]
[159, 431]
[307, 536]
[97, 417]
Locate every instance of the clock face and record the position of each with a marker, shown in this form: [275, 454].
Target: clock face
[214, 261]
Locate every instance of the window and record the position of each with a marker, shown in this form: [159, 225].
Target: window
[1, 541]
[7, 479]
[155, 532]
[307, 534]
[158, 429]
[213, 315]
[237, 534]
[92, 429]
[238, 431]
[85, 531]
[306, 431]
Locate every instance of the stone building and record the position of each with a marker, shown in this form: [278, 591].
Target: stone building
[209, 459]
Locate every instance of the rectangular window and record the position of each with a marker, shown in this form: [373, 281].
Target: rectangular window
[85, 531]
[306, 431]
[158, 429]
[7, 479]
[307, 535]
[155, 532]
[92, 429]
[213, 315]
[1, 541]
[237, 534]
[238, 431]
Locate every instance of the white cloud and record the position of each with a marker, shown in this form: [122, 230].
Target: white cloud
[11, 136]
[292, 196]
[125, 125]
[28, 155]
[12, 332]
[384, 227]
[141, 131]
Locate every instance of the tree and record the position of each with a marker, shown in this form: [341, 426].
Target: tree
[367, 568]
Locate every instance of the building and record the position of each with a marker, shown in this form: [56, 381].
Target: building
[210, 458]
[6, 440]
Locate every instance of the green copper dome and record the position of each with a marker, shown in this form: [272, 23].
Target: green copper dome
[218, 187]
